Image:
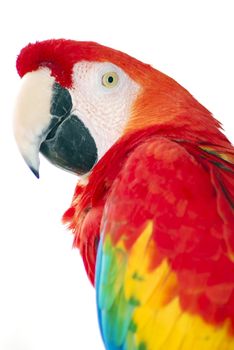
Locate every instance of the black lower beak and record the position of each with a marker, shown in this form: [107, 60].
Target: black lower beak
[68, 144]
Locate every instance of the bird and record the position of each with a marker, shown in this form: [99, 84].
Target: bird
[152, 212]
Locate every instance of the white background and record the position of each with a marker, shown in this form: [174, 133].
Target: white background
[46, 301]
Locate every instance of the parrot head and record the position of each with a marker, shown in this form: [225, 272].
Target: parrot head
[78, 98]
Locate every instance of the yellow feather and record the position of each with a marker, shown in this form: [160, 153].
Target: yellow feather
[160, 321]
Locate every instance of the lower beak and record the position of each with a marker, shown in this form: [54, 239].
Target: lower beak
[44, 123]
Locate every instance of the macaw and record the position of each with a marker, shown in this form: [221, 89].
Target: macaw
[152, 213]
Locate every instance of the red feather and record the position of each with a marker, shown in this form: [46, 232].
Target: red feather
[90, 200]
[162, 101]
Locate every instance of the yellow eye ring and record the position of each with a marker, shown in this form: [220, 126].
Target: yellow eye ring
[110, 79]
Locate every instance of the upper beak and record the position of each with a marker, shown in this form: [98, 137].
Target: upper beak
[43, 122]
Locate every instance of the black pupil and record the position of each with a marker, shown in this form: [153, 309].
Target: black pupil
[110, 79]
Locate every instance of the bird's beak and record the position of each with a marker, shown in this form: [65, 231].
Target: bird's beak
[44, 123]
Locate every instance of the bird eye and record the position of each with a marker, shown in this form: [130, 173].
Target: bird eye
[110, 79]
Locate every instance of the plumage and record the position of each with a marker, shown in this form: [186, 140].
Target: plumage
[169, 193]
[153, 219]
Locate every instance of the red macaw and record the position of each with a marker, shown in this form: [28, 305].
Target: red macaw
[152, 213]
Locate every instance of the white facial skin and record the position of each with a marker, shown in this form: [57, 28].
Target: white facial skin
[104, 110]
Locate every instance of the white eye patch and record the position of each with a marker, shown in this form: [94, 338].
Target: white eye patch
[102, 96]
